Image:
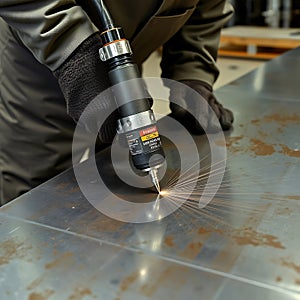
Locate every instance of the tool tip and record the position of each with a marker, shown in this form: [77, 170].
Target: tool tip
[157, 186]
[154, 179]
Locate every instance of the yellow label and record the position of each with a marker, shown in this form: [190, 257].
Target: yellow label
[149, 136]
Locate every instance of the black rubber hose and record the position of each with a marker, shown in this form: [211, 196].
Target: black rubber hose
[103, 14]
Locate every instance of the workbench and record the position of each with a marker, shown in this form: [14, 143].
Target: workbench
[54, 245]
[257, 42]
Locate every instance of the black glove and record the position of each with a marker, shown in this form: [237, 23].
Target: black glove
[82, 77]
[202, 119]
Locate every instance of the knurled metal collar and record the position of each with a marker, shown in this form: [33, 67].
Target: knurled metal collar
[114, 49]
[136, 121]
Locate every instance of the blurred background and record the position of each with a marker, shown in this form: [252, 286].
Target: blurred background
[274, 13]
[260, 30]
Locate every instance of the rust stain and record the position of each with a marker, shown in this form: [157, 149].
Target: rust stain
[255, 121]
[203, 230]
[63, 260]
[232, 142]
[36, 296]
[278, 279]
[41, 296]
[297, 281]
[229, 253]
[288, 151]
[284, 211]
[169, 241]
[291, 265]
[261, 148]
[296, 197]
[282, 119]
[34, 284]
[129, 280]
[192, 250]
[248, 236]
[12, 249]
[195, 248]
[79, 293]
[258, 145]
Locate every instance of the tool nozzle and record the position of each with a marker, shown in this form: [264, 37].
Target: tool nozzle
[154, 178]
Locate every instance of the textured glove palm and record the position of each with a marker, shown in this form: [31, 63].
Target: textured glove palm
[188, 106]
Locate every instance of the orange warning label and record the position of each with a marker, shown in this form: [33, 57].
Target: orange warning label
[148, 130]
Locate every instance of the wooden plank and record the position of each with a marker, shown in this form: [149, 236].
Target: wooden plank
[264, 42]
[244, 54]
[251, 41]
[262, 32]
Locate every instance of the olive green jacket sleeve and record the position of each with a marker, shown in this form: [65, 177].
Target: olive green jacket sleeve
[51, 29]
[192, 52]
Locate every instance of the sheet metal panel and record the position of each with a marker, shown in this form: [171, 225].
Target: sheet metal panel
[44, 263]
[278, 79]
[245, 243]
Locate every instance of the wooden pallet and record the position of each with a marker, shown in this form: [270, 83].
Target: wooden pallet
[257, 42]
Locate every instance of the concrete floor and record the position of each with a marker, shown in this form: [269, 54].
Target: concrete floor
[230, 69]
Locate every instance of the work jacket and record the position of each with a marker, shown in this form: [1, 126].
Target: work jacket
[188, 30]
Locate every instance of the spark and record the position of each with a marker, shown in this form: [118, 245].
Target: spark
[234, 196]
[163, 193]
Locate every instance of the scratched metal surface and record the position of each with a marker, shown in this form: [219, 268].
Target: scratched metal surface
[244, 244]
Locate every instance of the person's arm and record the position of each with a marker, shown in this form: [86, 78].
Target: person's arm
[51, 29]
[190, 57]
[62, 37]
[191, 54]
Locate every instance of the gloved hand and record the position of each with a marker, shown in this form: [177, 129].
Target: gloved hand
[82, 77]
[202, 119]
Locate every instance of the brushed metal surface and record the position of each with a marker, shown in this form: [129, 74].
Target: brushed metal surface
[277, 79]
[243, 245]
[43, 263]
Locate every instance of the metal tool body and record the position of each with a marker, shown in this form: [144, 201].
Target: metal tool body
[137, 120]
